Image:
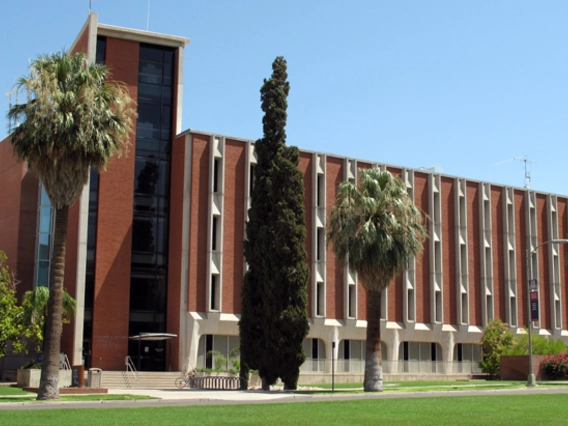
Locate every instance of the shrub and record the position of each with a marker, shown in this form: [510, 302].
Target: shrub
[556, 366]
[31, 365]
[496, 338]
[541, 345]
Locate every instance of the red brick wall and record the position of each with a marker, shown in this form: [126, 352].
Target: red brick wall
[234, 225]
[334, 268]
[449, 217]
[82, 42]
[474, 250]
[521, 247]
[563, 253]
[71, 247]
[396, 289]
[18, 215]
[198, 222]
[517, 367]
[361, 292]
[114, 231]
[175, 260]
[305, 167]
[422, 290]
[544, 284]
[500, 292]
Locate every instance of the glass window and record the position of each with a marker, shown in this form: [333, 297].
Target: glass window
[44, 247]
[45, 220]
[150, 73]
[43, 273]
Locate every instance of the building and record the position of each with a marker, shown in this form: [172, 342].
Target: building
[155, 243]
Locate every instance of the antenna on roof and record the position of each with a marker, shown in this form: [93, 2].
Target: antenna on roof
[524, 159]
[90, 6]
[148, 20]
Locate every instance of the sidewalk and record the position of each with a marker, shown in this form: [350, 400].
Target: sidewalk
[208, 395]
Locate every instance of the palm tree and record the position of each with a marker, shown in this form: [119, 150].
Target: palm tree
[72, 120]
[375, 228]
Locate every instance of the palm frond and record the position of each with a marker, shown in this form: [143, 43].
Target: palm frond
[375, 228]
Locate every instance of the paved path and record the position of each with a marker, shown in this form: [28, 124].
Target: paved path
[196, 397]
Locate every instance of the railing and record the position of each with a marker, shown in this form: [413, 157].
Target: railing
[217, 382]
[357, 366]
[130, 367]
[64, 363]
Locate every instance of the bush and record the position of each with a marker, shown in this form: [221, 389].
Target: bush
[556, 366]
[496, 338]
[541, 345]
[31, 365]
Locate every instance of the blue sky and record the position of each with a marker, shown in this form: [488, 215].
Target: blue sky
[459, 84]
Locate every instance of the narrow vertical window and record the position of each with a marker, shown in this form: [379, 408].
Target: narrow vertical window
[319, 299]
[315, 349]
[214, 293]
[208, 349]
[411, 307]
[513, 310]
[320, 244]
[251, 178]
[438, 306]
[352, 301]
[216, 175]
[320, 190]
[214, 234]
[464, 308]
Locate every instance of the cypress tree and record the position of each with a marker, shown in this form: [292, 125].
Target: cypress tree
[274, 319]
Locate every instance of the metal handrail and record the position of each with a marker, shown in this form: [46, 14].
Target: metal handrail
[130, 367]
[64, 363]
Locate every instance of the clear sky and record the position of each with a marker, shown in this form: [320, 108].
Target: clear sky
[459, 84]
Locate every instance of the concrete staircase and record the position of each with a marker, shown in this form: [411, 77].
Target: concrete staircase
[146, 380]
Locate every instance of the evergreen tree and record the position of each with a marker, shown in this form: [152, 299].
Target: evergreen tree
[274, 319]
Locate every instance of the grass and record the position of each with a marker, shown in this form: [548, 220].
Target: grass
[491, 410]
[441, 385]
[31, 397]
[9, 390]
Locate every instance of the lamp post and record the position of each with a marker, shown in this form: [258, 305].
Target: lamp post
[531, 381]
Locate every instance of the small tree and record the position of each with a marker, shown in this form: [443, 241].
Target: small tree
[15, 326]
[274, 320]
[495, 340]
[11, 329]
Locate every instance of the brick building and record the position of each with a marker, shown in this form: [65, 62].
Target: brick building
[155, 243]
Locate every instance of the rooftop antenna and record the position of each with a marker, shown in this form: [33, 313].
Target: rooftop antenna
[90, 6]
[148, 20]
[524, 159]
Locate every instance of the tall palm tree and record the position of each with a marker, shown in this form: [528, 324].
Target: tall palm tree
[375, 228]
[72, 120]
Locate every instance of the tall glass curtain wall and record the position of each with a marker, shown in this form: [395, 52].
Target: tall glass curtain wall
[92, 240]
[148, 279]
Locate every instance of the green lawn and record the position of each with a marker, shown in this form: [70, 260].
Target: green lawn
[31, 397]
[440, 385]
[9, 390]
[477, 410]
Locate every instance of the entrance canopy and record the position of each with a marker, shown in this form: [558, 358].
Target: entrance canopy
[153, 336]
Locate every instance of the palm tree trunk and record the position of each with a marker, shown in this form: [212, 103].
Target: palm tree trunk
[373, 361]
[49, 381]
